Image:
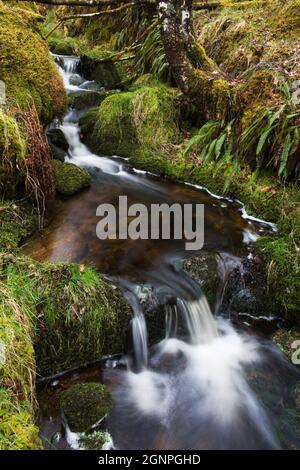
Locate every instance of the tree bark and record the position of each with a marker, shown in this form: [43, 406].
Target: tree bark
[175, 19]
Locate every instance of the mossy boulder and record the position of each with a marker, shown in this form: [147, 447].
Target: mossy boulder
[77, 317]
[95, 440]
[101, 69]
[63, 45]
[84, 405]
[131, 123]
[89, 99]
[26, 66]
[70, 178]
[12, 154]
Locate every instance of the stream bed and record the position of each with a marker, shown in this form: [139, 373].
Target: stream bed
[205, 384]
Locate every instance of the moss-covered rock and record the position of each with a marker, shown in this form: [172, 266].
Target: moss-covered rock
[131, 123]
[101, 69]
[17, 368]
[84, 405]
[95, 440]
[70, 178]
[26, 66]
[89, 99]
[12, 154]
[77, 316]
[63, 45]
[17, 221]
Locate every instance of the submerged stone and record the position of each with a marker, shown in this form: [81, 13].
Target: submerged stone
[84, 405]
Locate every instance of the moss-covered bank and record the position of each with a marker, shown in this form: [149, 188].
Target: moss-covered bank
[34, 92]
[26, 66]
[52, 317]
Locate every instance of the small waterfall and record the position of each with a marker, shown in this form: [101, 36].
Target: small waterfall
[226, 265]
[199, 320]
[71, 64]
[138, 327]
[140, 341]
[79, 153]
[171, 319]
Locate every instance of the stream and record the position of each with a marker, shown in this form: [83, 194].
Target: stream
[207, 384]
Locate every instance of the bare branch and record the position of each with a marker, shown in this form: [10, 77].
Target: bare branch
[87, 3]
[97, 13]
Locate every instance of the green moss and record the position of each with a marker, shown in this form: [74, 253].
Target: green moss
[77, 317]
[213, 96]
[289, 18]
[63, 45]
[17, 221]
[96, 64]
[282, 270]
[132, 123]
[94, 441]
[12, 154]
[84, 405]
[17, 368]
[87, 123]
[260, 88]
[88, 99]
[26, 66]
[18, 430]
[70, 178]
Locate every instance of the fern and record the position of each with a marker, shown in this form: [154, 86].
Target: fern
[151, 57]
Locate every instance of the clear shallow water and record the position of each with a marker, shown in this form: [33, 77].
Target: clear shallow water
[204, 385]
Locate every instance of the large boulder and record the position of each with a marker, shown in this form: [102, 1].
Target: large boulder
[102, 70]
[26, 66]
[140, 124]
[88, 99]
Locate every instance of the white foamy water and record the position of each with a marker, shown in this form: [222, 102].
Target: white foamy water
[198, 385]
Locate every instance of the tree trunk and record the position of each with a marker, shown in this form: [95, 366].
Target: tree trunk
[175, 19]
[195, 74]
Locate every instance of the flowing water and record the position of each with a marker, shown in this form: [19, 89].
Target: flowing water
[204, 385]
